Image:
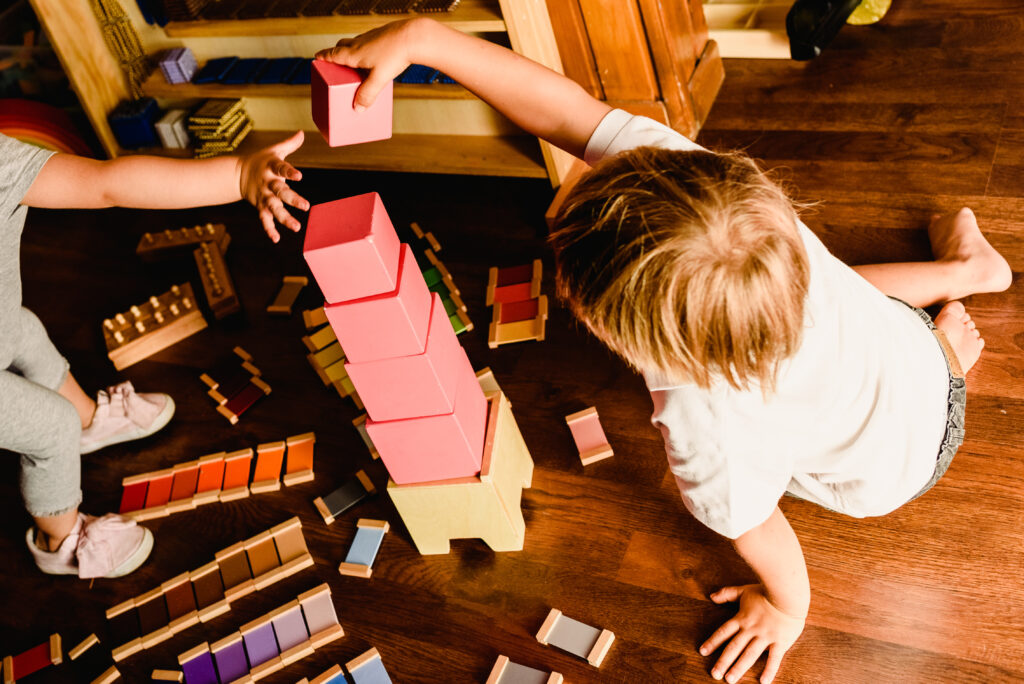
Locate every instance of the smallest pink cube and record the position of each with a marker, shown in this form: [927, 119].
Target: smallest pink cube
[589, 436]
[332, 94]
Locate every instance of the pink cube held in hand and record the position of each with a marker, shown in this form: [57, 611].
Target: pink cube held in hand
[352, 248]
[332, 92]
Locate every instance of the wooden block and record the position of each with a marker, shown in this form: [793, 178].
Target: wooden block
[436, 447]
[314, 318]
[291, 286]
[360, 424]
[341, 499]
[299, 457]
[83, 646]
[488, 383]
[352, 248]
[331, 676]
[507, 672]
[267, 473]
[326, 636]
[108, 677]
[387, 325]
[56, 655]
[332, 92]
[589, 436]
[216, 281]
[368, 668]
[321, 339]
[572, 636]
[167, 676]
[484, 507]
[362, 553]
[518, 331]
[154, 246]
[266, 668]
[152, 326]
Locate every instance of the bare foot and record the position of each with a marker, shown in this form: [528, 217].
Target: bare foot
[962, 334]
[978, 267]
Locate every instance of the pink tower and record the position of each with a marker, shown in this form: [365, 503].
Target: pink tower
[455, 456]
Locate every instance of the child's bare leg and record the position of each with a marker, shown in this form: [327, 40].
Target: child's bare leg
[963, 336]
[54, 529]
[83, 403]
[965, 264]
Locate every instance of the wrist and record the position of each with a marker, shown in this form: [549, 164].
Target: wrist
[794, 606]
[419, 34]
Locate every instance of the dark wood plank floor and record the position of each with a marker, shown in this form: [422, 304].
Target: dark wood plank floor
[919, 114]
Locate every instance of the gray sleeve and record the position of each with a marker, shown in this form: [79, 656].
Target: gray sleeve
[20, 163]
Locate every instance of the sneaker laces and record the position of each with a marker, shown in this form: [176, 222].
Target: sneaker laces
[93, 550]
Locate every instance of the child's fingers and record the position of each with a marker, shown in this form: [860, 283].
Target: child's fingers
[267, 219]
[289, 196]
[730, 653]
[285, 147]
[281, 214]
[718, 638]
[285, 170]
[727, 594]
[371, 87]
[337, 54]
[775, 653]
[750, 655]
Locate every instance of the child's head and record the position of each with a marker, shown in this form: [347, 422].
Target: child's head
[687, 263]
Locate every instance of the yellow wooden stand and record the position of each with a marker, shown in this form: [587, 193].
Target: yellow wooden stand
[484, 507]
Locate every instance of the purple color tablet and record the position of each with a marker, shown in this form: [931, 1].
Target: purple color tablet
[260, 644]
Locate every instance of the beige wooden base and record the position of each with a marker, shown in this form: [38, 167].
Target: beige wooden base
[484, 507]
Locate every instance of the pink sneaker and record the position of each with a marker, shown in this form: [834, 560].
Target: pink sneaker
[111, 546]
[122, 415]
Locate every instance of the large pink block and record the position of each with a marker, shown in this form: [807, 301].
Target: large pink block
[352, 248]
[412, 386]
[387, 325]
[332, 93]
[436, 447]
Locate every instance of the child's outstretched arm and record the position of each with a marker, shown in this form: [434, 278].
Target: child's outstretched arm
[146, 182]
[540, 101]
[771, 614]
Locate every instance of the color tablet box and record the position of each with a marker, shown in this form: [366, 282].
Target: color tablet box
[183, 487]
[385, 325]
[197, 664]
[299, 463]
[368, 668]
[437, 447]
[352, 248]
[229, 656]
[424, 384]
[344, 497]
[332, 93]
[123, 624]
[235, 573]
[208, 586]
[589, 436]
[153, 618]
[267, 473]
[236, 475]
[211, 478]
[572, 636]
[507, 672]
[359, 560]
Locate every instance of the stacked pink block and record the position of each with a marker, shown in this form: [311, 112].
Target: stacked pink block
[426, 412]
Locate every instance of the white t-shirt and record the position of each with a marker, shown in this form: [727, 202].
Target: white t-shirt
[858, 416]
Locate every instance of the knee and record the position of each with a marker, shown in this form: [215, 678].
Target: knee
[64, 432]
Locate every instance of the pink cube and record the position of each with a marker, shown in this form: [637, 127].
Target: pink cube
[332, 92]
[352, 248]
[436, 447]
[413, 386]
[387, 325]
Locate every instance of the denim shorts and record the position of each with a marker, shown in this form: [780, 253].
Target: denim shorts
[955, 407]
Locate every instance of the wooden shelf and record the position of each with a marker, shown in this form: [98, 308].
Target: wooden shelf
[476, 155]
[471, 16]
[157, 86]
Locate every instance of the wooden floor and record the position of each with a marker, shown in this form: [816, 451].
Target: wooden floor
[894, 122]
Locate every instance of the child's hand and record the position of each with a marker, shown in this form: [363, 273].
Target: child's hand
[262, 181]
[384, 51]
[758, 625]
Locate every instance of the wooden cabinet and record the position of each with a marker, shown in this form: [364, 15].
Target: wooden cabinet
[437, 128]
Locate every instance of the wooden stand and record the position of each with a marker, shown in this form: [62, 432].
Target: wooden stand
[484, 507]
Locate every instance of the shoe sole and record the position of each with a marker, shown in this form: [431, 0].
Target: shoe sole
[159, 423]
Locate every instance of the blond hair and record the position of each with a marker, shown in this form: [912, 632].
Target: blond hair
[688, 263]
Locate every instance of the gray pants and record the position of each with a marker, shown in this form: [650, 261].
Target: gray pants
[36, 421]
